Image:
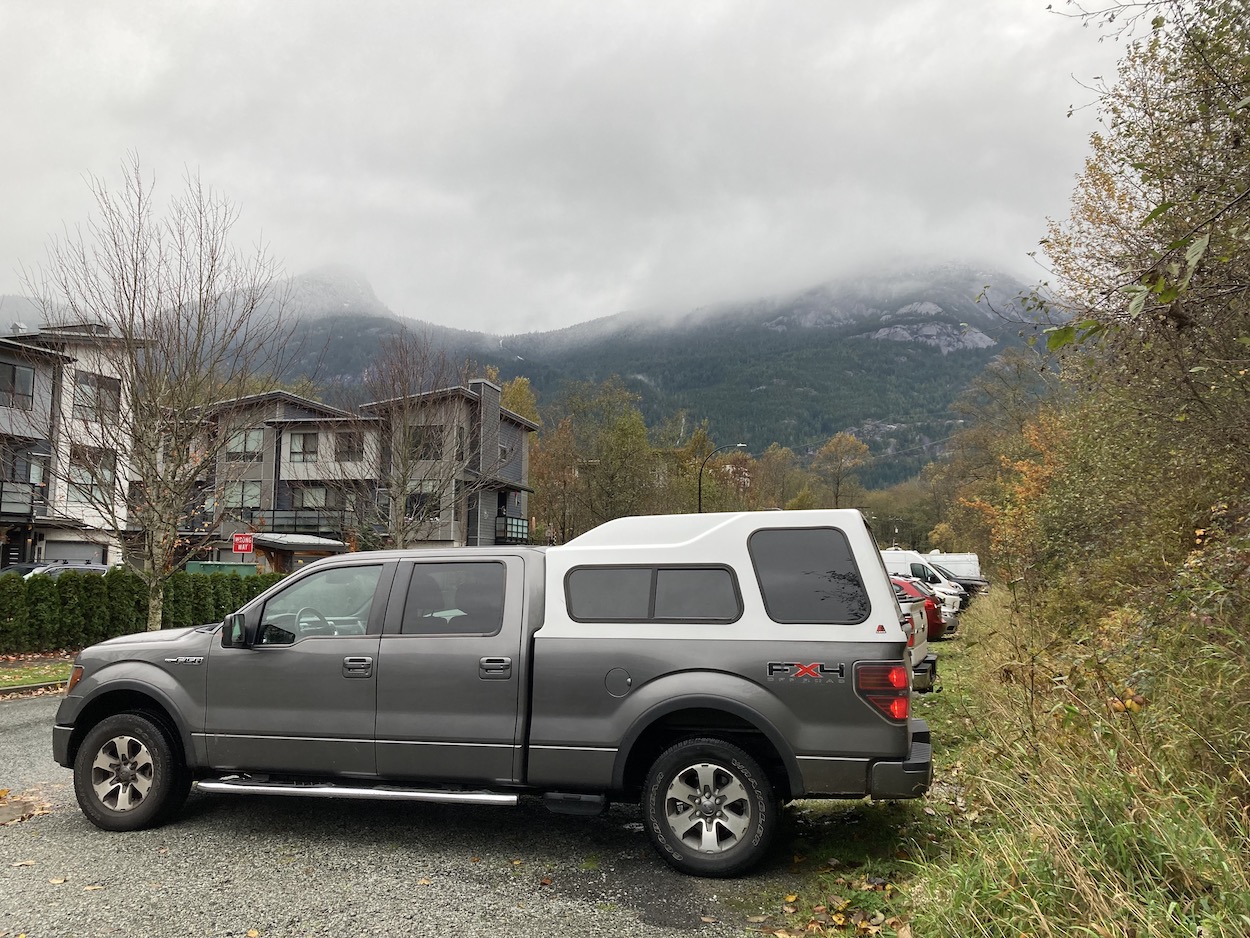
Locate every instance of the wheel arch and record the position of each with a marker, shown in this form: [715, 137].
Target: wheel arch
[127, 698]
[704, 715]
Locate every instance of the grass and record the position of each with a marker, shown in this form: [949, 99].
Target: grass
[16, 671]
[1053, 812]
[854, 868]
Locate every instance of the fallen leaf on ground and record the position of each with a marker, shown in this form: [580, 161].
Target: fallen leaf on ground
[707, 920]
[24, 863]
[92, 888]
[425, 882]
[56, 882]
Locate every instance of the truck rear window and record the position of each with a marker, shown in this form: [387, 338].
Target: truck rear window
[652, 594]
[808, 575]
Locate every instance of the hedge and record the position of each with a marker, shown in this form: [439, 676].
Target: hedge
[47, 614]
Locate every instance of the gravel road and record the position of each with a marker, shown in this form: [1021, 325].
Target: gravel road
[291, 867]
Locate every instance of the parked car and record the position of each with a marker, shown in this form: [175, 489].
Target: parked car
[923, 662]
[56, 568]
[938, 621]
[910, 563]
[973, 585]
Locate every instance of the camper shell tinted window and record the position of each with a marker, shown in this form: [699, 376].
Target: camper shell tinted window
[809, 575]
[653, 594]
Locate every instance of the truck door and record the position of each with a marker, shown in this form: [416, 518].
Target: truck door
[450, 672]
[303, 699]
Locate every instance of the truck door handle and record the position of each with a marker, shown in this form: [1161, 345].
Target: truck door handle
[494, 669]
[357, 666]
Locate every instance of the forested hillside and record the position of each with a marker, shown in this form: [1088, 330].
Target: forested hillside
[882, 357]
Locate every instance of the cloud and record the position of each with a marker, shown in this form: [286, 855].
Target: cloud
[522, 166]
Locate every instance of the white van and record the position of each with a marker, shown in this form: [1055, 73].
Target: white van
[910, 563]
[958, 564]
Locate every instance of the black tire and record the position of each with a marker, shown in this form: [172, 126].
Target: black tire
[710, 810]
[129, 773]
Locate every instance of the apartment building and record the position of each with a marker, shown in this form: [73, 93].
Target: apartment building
[445, 468]
[58, 388]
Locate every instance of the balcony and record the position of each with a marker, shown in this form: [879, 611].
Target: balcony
[321, 521]
[21, 501]
[510, 530]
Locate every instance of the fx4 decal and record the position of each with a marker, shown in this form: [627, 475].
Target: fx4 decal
[797, 670]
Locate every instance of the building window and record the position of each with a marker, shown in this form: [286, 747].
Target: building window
[240, 495]
[304, 447]
[96, 397]
[425, 442]
[423, 501]
[244, 445]
[17, 386]
[309, 496]
[349, 446]
[92, 474]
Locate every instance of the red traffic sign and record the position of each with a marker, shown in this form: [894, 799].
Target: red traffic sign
[243, 542]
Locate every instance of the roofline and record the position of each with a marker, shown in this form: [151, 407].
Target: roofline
[460, 390]
[248, 399]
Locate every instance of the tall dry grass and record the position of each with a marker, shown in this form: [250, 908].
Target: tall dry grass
[1110, 772]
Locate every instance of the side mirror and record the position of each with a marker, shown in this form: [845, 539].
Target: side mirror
[236, 632]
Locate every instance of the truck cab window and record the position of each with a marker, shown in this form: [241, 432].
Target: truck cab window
[454, 598]
[336, 601]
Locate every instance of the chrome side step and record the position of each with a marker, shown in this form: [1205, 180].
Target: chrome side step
[244, 786]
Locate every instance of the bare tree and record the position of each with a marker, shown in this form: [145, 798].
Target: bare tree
[433, 455]
[168, 319]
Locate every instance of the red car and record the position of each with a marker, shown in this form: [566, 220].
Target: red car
[935, 627]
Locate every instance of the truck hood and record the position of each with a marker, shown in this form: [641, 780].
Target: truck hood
[157, 638]
[189, 640]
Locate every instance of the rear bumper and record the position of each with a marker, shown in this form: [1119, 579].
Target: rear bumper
[924, 674]
[891, 780]
[883, 779]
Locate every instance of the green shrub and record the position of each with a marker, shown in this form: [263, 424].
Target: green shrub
[127, 602]
[43, 614]
[176, 612]
[95, 610]
[71, 630]
[201, 605]
[14, 637]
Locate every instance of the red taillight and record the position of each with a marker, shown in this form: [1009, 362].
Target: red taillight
[909, 626]
[886, 686]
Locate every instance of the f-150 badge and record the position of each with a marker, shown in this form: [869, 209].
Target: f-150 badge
[186, 659]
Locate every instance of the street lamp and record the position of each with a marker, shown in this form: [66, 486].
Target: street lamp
[704, 463]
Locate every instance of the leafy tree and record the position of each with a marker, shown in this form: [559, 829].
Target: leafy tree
[837, 461]
[597, 462]
[1153, 257]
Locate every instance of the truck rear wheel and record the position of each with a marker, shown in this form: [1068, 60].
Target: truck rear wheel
[710, 810]
[128, 773]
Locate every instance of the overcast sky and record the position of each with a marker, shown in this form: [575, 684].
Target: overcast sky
[518, 165]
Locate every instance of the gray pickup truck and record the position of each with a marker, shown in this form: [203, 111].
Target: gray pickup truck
[709, 666]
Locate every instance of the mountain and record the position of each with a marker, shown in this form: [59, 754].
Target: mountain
[882, 355]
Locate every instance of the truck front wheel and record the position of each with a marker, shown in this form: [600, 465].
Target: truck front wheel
[710, 810]
[128, 774]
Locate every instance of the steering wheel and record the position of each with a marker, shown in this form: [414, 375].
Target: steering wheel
[319, 624]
